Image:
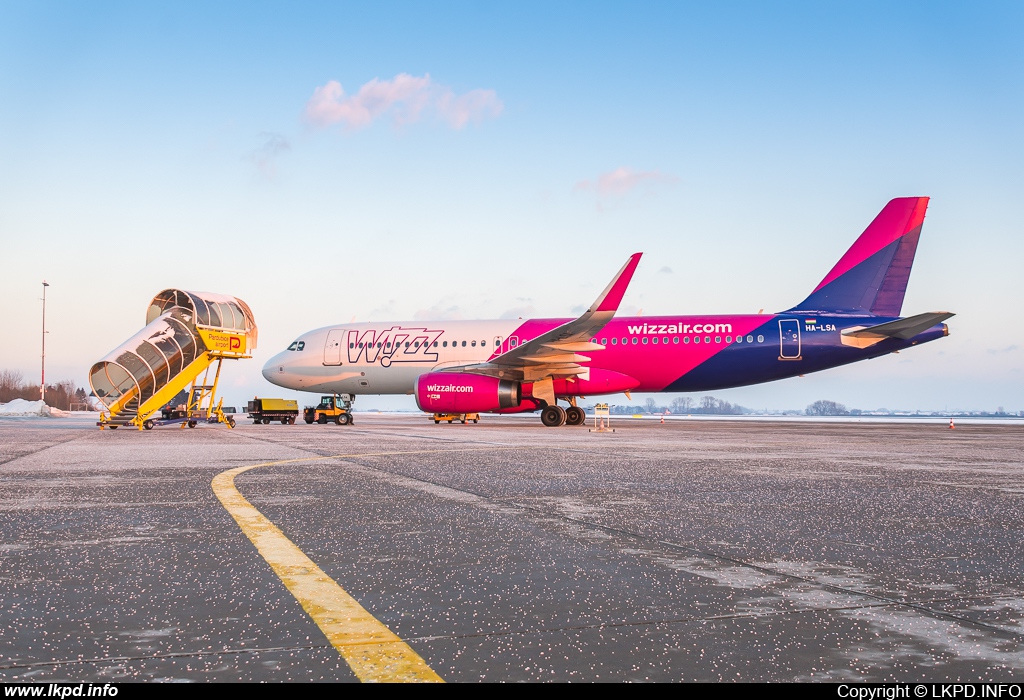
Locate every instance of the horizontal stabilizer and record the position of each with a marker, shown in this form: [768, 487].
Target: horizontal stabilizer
[903, 329]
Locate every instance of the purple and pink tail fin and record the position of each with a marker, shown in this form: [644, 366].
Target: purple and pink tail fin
[872, 276]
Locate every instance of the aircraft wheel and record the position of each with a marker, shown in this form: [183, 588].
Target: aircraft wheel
[575, 416]
[148, 425]
[553, 416]
[113, 427]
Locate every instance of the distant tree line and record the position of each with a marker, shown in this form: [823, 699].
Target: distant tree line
[60, 395]
[827, 408]
[708, 405]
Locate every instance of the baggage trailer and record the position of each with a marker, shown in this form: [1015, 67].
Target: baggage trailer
[266, 410]
[461, 417]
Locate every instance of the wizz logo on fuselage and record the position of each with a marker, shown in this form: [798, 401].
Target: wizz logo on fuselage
[396, 344]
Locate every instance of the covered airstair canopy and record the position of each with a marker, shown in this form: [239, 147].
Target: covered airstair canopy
[185, 332]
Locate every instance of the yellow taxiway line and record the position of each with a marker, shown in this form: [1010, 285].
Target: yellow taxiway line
[375, 653]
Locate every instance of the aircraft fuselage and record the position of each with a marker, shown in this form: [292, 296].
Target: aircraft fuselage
[662, 353]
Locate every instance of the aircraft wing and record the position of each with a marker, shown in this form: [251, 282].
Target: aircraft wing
[556, 353]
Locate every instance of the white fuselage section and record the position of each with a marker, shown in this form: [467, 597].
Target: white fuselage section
[385, 358]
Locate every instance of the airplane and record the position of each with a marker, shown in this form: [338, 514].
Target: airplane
[513, 366]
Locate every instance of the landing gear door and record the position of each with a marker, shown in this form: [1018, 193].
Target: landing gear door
[332, 349]
[789, 339]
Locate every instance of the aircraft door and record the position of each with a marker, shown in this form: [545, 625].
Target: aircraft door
[332, 349]
[789, 339]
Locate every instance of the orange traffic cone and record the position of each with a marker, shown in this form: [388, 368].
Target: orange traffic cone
[951, 424]
[663, 419]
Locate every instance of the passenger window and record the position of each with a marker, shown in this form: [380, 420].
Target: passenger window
[654, 340]
[625, 341]
[760, 338]
[407, 344]
[645, 340]
[750, 339]
[351, 345]
[739, 339]
[497, 342]
[435, 343]
[473, 343]
[444, 344]
[604, 341]
[718, 339]
[675, 340]
[292, 346]
[463, 343]
[615, 341]
[707, 339]
[634, 340]
[728, 338]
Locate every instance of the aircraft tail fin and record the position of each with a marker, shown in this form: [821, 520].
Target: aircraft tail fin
[872, 276]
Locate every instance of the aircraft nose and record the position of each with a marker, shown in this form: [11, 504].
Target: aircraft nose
[274, 368]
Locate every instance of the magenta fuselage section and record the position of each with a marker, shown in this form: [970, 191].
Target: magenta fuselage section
[702, 353]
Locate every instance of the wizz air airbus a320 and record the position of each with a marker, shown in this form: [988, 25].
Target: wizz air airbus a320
[512, 366]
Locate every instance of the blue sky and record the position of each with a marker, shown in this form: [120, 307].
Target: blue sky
[741, 146]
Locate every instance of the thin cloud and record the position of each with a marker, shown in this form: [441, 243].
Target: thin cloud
[518, 312]
[622, 181]
[405, 98]
[439, 312]
[265, 156]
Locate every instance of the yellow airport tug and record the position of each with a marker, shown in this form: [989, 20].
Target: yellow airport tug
[335, 409]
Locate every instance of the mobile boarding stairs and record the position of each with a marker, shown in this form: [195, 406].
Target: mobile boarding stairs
[186, 334]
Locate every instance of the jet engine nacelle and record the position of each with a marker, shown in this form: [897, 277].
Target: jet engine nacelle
[444, 392]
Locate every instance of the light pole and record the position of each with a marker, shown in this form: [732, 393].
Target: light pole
[42, 379]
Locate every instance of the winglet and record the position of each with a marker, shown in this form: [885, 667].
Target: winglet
[611, 297]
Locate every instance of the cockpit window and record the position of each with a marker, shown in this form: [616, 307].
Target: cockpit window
[292, 346]
[301, 346]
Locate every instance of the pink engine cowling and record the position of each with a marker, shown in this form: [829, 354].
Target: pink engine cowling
[444, 392]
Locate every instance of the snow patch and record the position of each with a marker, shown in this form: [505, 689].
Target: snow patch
[21, 407]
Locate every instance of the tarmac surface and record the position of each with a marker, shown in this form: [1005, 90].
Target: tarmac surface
[506, 551]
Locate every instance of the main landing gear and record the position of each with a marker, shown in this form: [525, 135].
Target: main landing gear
[554, 416]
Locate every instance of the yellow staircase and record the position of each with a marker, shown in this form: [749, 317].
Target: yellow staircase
[186, 334]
